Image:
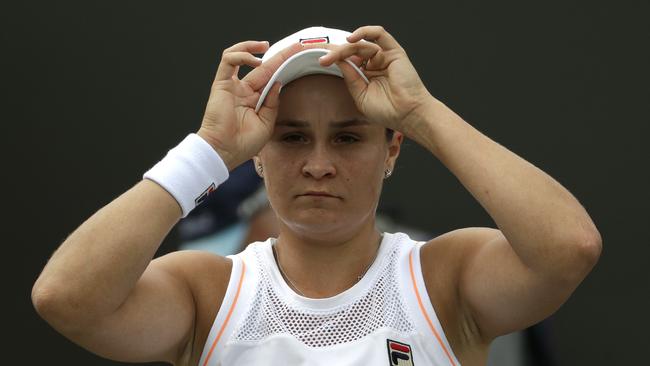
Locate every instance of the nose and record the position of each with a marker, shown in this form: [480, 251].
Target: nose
[319, 164]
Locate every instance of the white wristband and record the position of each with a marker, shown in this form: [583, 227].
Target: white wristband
[190, 172]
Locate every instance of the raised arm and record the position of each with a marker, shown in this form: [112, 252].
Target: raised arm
[546, 244]
[101, 288]
[504, 279]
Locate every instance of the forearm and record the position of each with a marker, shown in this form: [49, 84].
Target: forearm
[97, 266]
[546, 226]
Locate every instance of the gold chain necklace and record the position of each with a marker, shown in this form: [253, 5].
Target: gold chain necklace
[295, 288]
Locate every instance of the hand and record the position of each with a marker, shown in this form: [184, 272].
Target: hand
[395, 93]
[230, 123]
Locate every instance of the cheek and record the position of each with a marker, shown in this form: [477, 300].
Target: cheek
[274, 160]
[365, 172]
[279, 174]
[368, 159]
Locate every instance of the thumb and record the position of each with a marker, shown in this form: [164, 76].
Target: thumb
[356, 83]
[269, 109]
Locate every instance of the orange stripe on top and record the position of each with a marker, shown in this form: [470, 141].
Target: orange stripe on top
[232, 307]
[426, 316]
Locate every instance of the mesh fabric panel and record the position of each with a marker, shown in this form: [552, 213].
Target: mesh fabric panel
[380, 307]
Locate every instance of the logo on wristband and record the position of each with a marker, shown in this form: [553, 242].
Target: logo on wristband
[205, 194]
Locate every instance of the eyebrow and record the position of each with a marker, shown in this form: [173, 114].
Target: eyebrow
[335, 124]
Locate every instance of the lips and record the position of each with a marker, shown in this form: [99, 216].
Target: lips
[318, 194]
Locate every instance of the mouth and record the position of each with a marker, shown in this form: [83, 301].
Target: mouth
[317, 194]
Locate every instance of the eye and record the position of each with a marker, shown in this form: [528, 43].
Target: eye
[294, 138]
[346, 139]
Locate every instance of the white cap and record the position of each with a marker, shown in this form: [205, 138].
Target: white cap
[305, 62]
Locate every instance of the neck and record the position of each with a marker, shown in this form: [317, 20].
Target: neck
[320, 268]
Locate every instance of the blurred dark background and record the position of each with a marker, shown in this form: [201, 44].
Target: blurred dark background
[94, 93]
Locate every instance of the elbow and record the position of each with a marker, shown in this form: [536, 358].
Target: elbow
[47, 301]
[590, 248]
[54, 306]
[585, 253]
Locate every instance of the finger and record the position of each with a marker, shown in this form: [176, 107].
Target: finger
[259, 76]
[230, 62]
[357, 60]
[269, 110]
[248, 46]
[377, 34]
[364, 50]
[225, 70]
[327, 46]
[356, 84]
[378, 62]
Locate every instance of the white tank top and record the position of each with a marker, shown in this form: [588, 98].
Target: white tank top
[384, 319]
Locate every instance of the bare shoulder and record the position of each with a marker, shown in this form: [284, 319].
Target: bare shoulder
[207, 276]
[462, 239]
[445, 254]
[442, 259]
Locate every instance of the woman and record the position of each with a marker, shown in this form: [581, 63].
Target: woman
[330, 289]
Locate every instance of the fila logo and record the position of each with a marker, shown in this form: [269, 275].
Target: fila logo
[205, 194]
[399, 354]
[304, 41]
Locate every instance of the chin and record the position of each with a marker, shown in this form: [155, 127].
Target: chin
[317, 220]
[319, 223]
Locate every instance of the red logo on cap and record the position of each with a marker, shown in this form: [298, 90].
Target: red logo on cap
[315, 40]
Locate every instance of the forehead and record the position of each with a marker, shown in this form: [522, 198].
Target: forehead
[317, 98]
[336, 125]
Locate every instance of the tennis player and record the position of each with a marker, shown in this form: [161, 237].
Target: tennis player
[323, 115]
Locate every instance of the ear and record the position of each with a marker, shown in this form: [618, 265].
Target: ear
[394, 147]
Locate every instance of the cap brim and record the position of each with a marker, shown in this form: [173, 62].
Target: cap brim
[302, 64]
